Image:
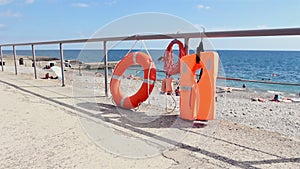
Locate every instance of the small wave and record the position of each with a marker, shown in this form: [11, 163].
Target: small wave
[275, 92]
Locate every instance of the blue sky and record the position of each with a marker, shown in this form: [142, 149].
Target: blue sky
[42, 20]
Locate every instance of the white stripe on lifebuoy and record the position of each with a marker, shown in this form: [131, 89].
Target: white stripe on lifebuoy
[149, 81]
[134, 58]
[122, 101]
[116, 77]
[189, 88]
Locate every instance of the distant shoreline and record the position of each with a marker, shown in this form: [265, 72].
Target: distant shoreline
[243, 64]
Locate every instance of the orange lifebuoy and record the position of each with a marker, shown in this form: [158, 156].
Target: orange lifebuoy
[130, 102]
[170, 67]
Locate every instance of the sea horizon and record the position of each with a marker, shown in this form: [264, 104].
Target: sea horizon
[261, 65]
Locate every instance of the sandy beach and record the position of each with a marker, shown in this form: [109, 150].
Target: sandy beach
[44, 125]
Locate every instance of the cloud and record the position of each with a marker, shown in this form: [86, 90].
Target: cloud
[29, 1]
[4, 2]
[262, 26]
[200, 27]
[200, 6]
[80, 5]
[9, 13]
[110, 2]
[2, 26]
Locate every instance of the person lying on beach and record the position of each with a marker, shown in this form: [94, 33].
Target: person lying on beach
[47, 76]
[130, 76]
[98, 74]
[161, 59]
[277, 98]
[258, 99]
[224, 90]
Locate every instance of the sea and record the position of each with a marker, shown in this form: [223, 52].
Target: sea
[260, 65]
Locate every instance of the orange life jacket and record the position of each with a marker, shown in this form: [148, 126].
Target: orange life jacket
[197, 99]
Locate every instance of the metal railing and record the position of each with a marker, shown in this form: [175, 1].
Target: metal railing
[185, 36]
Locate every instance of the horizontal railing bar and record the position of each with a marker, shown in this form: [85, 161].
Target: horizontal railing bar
[220, 34]
[258, 81]
[249, 33]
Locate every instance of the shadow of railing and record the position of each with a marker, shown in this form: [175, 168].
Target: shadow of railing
[135, 118]
[81, 112]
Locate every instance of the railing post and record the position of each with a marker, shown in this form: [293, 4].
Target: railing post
[62, 65]
[1, 56]
[105, 68]
[34, 61]
[15, 62]
[186, 45]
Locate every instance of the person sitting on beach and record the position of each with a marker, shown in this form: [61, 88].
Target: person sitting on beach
[278, 98]
[46, 67]
[47, 76]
